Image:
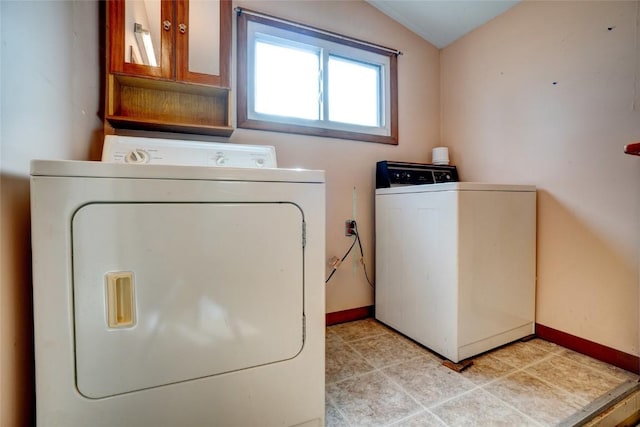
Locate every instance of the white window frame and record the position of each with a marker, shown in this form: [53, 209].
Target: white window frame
[252, 28]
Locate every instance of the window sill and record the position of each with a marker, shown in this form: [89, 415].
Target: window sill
[313, 131]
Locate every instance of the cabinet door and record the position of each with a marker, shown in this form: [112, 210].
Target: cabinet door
[141, 37]
[203, 41]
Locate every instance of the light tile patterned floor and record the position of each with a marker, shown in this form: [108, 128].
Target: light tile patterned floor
[377, 377]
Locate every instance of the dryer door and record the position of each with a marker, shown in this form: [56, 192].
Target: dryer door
[170, 292]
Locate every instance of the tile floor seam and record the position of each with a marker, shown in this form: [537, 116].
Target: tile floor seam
[361, 374]
[448, 399]
[542, 347]
[524, 371]
[481, 388]
[374, 335]
[404, 390]
[335, 405]
[393, 363]
[514, 408]
[390, 364]
[377, 334]
[429, 408]
[375, 369]
[581, 400]
[363, 358]
[593, 368]
[379, 369]
[535, 362]
[502, 376]
[475, 387]
[342, 414]
[438, 417]
[426, 410]
[414, 414]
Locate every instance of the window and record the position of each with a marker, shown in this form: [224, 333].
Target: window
[296, 79]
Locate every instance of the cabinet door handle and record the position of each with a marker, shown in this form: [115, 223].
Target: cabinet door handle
[182, 28]
[166, 25]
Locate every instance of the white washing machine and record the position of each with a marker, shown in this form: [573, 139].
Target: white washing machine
[456, 264]
[177, 295]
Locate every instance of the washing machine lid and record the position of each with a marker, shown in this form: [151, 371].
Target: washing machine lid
[456, 186]
[72, 168]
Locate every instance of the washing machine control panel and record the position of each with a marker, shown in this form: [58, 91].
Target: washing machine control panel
[138, 150]
[391, 174]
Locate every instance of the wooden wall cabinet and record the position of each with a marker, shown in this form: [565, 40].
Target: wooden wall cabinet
[181, 84]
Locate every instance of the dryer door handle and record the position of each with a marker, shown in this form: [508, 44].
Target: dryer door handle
[120, 299]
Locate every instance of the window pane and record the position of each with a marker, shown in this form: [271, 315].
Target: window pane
[286, 81]
[354, 92]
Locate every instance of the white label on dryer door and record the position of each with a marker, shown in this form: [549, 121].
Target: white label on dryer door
[218, 288]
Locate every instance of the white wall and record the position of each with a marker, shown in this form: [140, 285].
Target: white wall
[50, 97]
[506, 121]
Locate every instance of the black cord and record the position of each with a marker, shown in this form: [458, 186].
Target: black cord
[364, 267]
[343, 258]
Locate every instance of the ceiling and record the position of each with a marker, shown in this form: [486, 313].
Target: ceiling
[442, 22]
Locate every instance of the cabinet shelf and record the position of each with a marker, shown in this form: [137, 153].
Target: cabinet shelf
[122, 122]
[152, 104]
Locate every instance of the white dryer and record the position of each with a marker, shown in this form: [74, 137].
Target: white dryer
[176, 295]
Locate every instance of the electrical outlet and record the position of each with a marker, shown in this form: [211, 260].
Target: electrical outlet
[350, 227]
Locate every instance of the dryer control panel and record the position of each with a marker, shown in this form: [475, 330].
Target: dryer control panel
[139, 150]
[392, 174]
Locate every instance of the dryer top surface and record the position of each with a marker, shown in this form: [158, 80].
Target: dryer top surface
[86, 169]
